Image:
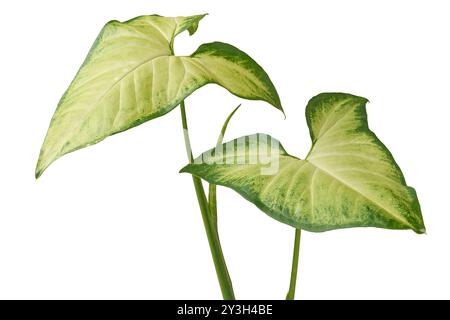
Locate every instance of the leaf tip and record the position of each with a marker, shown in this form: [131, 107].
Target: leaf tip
[276, 101]
[420, 230]
[41, 165]
[184, 169]
[39, 170]
[193, 28]
[277, 104]
[418, 226]
[37, 173]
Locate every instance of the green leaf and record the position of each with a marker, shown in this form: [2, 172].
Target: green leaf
[349, 178]
[131, 76]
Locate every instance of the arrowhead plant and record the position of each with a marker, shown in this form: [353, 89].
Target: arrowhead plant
[131, 75]
[348, 179]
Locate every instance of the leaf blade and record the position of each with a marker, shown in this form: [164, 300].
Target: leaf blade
[110, 93]
[321, 194]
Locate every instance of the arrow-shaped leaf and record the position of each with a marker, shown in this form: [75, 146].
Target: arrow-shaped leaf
[131, 76]
[348, 179]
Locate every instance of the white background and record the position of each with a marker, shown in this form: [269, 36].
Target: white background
[117, 220]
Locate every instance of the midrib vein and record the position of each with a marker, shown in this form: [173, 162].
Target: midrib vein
[85, 115]
[396, 216]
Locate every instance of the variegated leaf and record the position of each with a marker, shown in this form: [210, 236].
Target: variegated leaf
[348, 179]
[131, 76]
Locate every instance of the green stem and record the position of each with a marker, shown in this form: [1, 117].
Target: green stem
[211, 232]
[212, 192]
[291, 293]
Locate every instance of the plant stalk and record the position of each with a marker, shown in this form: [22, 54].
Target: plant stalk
[212, 192]
[211, 231]
[291, 293]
